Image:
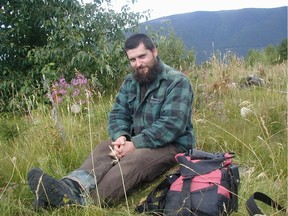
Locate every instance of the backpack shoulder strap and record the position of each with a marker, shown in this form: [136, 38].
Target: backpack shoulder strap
[252, 207]
[157, 195]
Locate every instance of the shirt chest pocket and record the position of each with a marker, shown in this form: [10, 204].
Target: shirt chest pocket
[153, 108]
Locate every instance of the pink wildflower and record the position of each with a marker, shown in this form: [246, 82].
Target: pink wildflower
[76, 92]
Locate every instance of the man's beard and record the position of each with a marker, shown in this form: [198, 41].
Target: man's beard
[148, 77]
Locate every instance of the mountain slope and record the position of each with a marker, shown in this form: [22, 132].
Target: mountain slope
[233, 30]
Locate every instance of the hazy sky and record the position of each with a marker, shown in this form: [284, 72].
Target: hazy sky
[161, 8]
[169, 7]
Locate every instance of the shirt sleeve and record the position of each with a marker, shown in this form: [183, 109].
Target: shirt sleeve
[119, 118]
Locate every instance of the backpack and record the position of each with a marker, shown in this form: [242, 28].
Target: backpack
[206, 184]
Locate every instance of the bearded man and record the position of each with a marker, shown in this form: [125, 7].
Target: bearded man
[149, 124]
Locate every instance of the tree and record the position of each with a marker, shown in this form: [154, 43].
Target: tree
[53, 37]
[269, 55]
[172, 50]
[282, 50]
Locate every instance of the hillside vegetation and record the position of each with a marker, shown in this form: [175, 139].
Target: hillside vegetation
[59, 143]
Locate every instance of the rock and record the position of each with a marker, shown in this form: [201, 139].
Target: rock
[254, 80]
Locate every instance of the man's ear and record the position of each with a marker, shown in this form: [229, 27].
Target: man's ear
[155, 52]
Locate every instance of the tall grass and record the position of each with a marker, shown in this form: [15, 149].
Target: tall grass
[258, 139]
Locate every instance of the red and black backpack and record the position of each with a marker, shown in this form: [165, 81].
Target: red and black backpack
[205, 184]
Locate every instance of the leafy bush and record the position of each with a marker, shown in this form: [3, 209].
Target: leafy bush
[173, 51]
[282, 50]
[270, 55]
[55, 37]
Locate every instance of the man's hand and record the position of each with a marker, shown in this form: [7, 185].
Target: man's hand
[118, 145]
[122, 147]
[127, 147]
[120, 141]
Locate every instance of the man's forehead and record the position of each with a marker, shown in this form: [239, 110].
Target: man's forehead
[138, 51]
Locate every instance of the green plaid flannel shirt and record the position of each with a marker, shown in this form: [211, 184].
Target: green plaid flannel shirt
[164, 116]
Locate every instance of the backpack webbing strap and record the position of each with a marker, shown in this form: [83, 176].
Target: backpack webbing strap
[186, 197]
[154, 200]
[234, 180]
[252, 207]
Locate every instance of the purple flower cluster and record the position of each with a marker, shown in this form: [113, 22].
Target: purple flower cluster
[76, 89]
[78, 82]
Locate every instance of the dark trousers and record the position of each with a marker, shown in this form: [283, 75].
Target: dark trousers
[140, 165]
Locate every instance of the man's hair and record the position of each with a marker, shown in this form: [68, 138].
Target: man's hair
[135, 40]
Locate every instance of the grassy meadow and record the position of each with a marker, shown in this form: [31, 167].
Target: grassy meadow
[259, 139]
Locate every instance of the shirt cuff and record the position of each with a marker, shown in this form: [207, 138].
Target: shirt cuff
[121, 133]
[139, 141]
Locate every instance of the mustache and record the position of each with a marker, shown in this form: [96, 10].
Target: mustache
[140, 67]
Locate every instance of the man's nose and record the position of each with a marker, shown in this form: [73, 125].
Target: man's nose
[138, 63]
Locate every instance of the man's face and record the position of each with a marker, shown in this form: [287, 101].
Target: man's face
[144, 63]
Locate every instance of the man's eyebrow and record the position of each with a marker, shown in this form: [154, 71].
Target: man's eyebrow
[138, 56]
